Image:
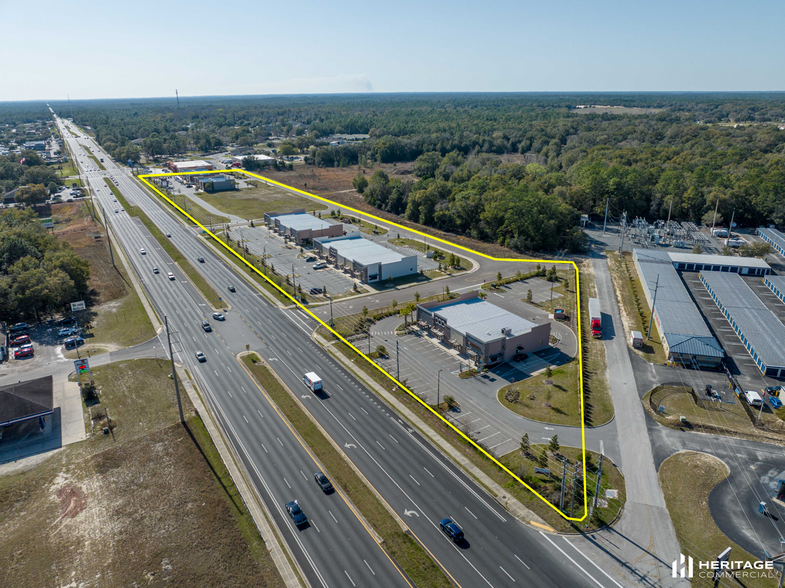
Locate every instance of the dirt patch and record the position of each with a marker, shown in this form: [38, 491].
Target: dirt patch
[73, 500]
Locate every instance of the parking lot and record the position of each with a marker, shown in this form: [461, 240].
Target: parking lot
[48, 348]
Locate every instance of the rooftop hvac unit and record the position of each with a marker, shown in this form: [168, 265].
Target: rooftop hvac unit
[506, 331]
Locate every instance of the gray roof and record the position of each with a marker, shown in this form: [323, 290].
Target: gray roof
[24, 400]
[301, 221]
[481, 319]
[757, 324]
[689, 345]
[363, 251]
[727, 260]
[777, 281]
[773, 235]
[676, 310]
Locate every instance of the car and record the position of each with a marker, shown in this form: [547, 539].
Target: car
[115, 199]
[218, 316]
[23, 352]
[773, 390]
[116, 211]
[142, 251]
[168, 234]
[155, 270]
[200, 259]
[231, 289]
[74, 342]
[310, 258]
[520, 357]
[315, 291]
[18, 328]
[774, 402]
[67, 331]
[170, 275]
[753, 398]
[122, 210]
[452, 530]
[297, 514]
[200, 356]
[559, 314]
[323, 482]
[20, 340]
[320, 265]
[206, 326]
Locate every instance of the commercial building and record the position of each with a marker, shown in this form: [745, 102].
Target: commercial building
[301, 227]
[211, 183]
[238, 159]
[758, 328]
[686, 337]
[190, 166]
[365, 260]
[777, 285]
[774, 238]
[480, 330]
[24, 401]
[35, 145]
[746, 266]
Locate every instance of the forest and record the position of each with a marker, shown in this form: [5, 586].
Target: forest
[517, 169]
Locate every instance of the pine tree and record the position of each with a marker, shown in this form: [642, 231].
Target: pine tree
[554, 444]
[525, 446]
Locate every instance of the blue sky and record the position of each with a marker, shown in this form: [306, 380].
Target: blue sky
[110, 49]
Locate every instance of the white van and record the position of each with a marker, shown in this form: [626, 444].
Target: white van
[313, 382]
[753, 398]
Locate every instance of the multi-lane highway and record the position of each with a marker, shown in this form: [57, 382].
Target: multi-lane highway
[411, 476]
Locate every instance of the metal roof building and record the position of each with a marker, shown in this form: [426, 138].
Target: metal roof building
[686, 337]
[748, 266]
[777, 285]
[774, 238]
[369, 261]
[760, 331]
[189, 166]
[301, 227]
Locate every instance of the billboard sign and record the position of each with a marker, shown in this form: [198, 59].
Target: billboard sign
[77, 306]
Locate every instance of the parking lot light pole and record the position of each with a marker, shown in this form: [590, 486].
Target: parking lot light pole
[438, 386]
[653, 302]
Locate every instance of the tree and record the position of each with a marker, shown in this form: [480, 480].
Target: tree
[31, 195]
[552, 275]
[417, 297]
[394, 303]
[554, 444]
[381, 350]
[525, 446]
[697, 250]
[529, 296]
[286, 148]
[708, 219]
[360, 183]
[365, 312]
[32, 158]
[447, 293]
[543, 459]
[755, 250]
[566, 283]
[426, 165]
[548, 371]
[499, 277]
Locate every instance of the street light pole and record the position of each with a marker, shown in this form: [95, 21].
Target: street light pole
[653, 302]
[438, 386]
[174, 374]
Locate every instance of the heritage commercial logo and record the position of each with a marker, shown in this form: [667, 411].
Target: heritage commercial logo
[684, 567]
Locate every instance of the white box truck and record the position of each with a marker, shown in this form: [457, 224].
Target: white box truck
[313, 382]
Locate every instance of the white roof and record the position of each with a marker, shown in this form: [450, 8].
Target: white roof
[363, 251]
[187, 164]
[717, 260]
[256, 157]
[482, 320]
[301, 221]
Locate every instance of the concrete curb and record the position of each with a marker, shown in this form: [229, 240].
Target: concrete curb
[511, 504]
[278, 548]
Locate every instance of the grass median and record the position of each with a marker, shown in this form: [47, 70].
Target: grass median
[196, 278]
[409, 554]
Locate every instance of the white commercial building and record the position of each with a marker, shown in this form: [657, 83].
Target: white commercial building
[368, 261]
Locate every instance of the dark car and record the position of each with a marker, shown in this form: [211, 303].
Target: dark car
[206, 326]
[18, 328]
[297, 514]
[323, 482]
[452, 530]
[74, 342]
[200, 259]
[316, 291]
[65, 321]
[310, 258]
[155, 270]
[559, 314]
[231, 289]
[200, 356]
[520, 357]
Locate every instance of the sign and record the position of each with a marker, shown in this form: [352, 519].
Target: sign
[77, 306]
[48, 223]
[543, 471]
[81, 366]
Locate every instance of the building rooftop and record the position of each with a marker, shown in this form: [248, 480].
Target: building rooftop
[482, 319]
[761, 327]
[363, 251]
[195, 163]
[259, 157]
[717, 259]
[773, 234]
[25, 400]
[301, 221]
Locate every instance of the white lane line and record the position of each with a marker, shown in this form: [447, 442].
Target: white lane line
[351, 415]
[265, 449]
[369, 567]
[575, 563]
[429, 473]
[333, 516]
[508, 575]
[415, 481]
[246, 418]
[520, 560]
[394, 439]
[260, 413]
[591, 562]
[380, 445]
[470, 512]
[287, 483]
[279, 441]
[350, 578]
[314, 526]
[365, 411]
[304, 476]
[243, 389]
[339, 387]
[230, 394]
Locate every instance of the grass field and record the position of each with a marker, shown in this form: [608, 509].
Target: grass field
[252, 203]
[557, 402]
[366, 227]
[634, 309]
[438, 255]
[195, 210]
[687, 479]
[196, 278]
[68, 169]
[410, 556]
[149, 504]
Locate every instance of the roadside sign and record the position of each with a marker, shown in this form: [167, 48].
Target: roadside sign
[77, 306]
[81, 366]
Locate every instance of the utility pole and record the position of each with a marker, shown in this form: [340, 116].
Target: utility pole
[653, 302]
[605, 222]
[294, 284]
[331, 314]
[108, 238]
[730, 227]
[714, 221]
[623, 226]
[174, 374]
[563, 482]
[597, 488]
[397, 363]
[438, 388]
[574, 485]
[668, 224]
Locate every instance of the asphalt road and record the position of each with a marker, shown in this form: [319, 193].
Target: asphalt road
[411, 475]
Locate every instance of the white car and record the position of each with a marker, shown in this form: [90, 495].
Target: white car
[753, 398]
[142, 251]
[171, 276]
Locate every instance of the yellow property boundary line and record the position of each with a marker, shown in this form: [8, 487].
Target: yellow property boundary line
[144, 177]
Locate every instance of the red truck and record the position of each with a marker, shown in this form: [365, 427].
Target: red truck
[595, 317]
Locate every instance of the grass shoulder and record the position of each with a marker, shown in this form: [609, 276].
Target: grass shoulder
[412, 558]
[687, 479]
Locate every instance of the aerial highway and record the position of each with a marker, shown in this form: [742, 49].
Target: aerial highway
[414, 478]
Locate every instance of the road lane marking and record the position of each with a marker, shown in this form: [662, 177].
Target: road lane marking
[287, 483]
[415, 481]
[470, 512]
[380, 445]
[350, 578]
[304, 476]
[520, 560]
[265, 449]
[243, 389]
[361, 408]
[370, 568]
[279, 441]
[333, 516]
[575, 563]
[591, 562]
[429, 473]
[393, 438]
[246, 419]
[508, 575]
[260, 413]
[351, 415]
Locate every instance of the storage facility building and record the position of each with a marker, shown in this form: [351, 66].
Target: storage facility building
[774, 238]
[746, 266]
[686, 337]
[759, 329]
[190, 166]
[777, 285]
[480, 330]
[301, 227]
[364, 259]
